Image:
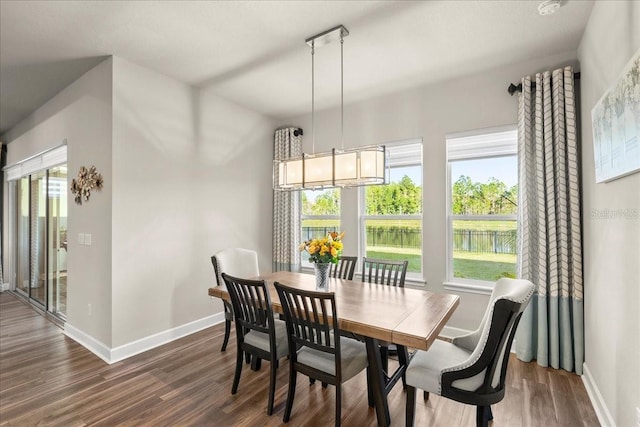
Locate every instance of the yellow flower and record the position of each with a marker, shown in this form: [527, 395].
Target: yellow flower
[334, 252]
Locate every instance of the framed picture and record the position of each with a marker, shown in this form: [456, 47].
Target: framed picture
[616, 126]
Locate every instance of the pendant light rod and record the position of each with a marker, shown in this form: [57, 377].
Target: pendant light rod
[313, 98]
[342, 91]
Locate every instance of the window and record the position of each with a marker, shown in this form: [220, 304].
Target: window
[320, 215]
[482, 205]
[391, 214]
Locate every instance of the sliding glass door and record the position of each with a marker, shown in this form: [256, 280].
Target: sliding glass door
[41, 238]
[57, 240]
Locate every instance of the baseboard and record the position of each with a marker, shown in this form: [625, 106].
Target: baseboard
[87, 341]
[113, 355]
[164, 337]
[599, 405]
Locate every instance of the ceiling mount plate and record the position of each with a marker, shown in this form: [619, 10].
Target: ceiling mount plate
[328, 36]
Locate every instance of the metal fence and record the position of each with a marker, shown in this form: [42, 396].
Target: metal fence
[485, 241]
[481, 241]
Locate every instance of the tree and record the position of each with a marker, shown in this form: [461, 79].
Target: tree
[488, 198]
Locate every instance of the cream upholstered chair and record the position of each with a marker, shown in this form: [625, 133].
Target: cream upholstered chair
[472, 368]
[236, 262]
[257, 332]
[312, 328]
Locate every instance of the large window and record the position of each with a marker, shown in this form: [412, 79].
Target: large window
[482, 205]
[391, 214]
[320, 215]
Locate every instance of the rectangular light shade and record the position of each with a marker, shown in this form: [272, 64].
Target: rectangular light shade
[336, 168]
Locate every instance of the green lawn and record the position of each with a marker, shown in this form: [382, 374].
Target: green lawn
[416, 223]
[483, 266]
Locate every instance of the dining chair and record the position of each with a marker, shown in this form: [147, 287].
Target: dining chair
[345, 268]
[316, 348]
[257, 332]
[472, 368]
[384, 271]
[236, 262]
[392, 273]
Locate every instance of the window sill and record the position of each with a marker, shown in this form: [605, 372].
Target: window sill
[468, 288]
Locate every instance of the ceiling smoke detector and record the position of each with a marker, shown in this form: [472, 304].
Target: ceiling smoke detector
[548, 7]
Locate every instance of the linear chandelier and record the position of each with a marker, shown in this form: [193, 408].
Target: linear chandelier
[339, 167]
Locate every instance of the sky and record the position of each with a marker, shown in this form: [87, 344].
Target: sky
[504, 169]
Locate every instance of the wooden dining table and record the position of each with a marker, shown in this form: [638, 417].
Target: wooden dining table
[406, 317]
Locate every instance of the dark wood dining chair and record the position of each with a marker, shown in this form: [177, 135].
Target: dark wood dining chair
[257, 332]
[472, 368]
[316, 348]
[384, 271]
[391, 273]
[345, 268]
[236, 262]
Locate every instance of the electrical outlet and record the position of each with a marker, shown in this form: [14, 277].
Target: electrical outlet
[81, 238]
[87, 239]
[89, 309]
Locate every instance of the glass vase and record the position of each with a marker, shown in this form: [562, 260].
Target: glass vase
[322, 276]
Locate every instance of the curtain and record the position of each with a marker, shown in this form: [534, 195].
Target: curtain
[2, 164]
[35, 233]
[286, 208]
[549, 239]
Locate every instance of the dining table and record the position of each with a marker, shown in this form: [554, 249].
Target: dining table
[408, 317]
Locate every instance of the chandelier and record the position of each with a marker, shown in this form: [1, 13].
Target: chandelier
[338, 168]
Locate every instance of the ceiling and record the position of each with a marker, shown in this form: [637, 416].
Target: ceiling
[254, 52]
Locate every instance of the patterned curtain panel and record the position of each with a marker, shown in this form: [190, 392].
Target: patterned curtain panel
[286, 208]
[2, 165]
[35, 233]
[550, 243]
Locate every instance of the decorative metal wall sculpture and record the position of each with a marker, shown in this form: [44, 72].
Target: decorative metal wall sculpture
[88, 179]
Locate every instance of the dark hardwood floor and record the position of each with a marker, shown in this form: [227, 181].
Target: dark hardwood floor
[48, 379]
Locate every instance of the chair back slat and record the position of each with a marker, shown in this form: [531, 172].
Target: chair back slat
[385, 272]
[345, 268]
[311, 318]
[251, 304]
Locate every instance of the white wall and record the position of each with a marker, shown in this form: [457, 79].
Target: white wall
[192, 176]
[611, 246]
[186, 174]
[81, 114]
[430, 112]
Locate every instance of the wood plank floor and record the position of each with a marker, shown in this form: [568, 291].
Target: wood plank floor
[48, 379]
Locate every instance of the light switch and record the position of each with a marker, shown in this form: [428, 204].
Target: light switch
[81, 238]
[87, 239]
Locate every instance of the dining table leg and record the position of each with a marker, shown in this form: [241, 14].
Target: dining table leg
[378, 382]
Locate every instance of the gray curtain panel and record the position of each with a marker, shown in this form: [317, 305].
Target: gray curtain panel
[286, 208]
[550, 242]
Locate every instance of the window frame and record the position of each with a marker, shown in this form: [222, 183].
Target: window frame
[363, 217]
[460, 283]
[303, 263]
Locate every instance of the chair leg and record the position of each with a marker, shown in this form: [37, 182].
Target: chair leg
[227, 332]
[272, 386]
[324, 385]
[290, 394]
[256, 363]
[247, 358]
[411, 406]
[338, 404]
[483, 415]
[312, 381]
[403, 357]
[236, 377]
[425, 395]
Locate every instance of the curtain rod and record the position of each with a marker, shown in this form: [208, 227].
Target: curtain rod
[513, 88]
[296, 132]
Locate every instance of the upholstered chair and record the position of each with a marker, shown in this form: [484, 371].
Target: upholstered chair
[472, 368]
